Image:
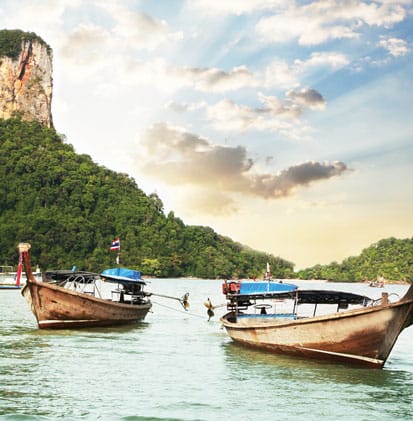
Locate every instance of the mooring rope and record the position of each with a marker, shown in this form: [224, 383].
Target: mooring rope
[181, 311]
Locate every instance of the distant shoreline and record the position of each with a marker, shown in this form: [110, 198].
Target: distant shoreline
[193, 278]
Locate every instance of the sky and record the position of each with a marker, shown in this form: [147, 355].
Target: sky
[284, 125]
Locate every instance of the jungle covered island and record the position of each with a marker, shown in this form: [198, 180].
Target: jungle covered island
[391, 259]
[70, 209]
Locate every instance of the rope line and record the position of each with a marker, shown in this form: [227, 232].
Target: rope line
[181, 311]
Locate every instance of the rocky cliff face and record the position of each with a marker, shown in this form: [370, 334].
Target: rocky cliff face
[26, 79]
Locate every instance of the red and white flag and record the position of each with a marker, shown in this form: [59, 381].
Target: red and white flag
[115, 244]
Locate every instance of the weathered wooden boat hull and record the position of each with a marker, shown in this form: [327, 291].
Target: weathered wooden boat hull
[56, 307]
[363, 336]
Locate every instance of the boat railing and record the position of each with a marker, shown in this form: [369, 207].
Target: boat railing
[126, 296]
[81, 282]
[385, 298]
[79, 286]
[298, 304]
[6, 269]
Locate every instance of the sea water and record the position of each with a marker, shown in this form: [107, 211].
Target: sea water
[177, 365]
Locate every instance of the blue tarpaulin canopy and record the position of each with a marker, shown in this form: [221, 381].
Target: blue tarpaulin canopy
[122, 275]
[263, 287]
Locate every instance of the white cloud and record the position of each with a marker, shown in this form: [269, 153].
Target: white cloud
[212, 79]
[84, 43]
[44, 17]
[185, 107]
[307, 98]
[334, 60]
[208, 202]
[136, 29]
[171, 78]
[229, 116]
[180, 158]
[279, 74]
[395, 46]
[237, 7]
[324, 20]
[276, 115]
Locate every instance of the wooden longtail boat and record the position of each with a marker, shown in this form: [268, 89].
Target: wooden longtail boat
[57, 306]
[361, 336]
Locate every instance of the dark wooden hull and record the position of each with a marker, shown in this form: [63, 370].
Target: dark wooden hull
[363, 336]
[58, 308]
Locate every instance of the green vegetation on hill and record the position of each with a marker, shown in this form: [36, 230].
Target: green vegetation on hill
[391, 258]
[70, 209]
[11, 42]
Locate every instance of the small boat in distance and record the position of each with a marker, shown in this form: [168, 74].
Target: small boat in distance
[8, 278]
[359, 331]
[74, 299]
[378, 283]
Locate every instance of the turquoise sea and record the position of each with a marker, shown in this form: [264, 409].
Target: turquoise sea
[178, 366]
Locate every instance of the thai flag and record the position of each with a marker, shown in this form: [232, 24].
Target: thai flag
[115, 244]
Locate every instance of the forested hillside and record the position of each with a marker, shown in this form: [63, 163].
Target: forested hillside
[390, 258]
[70, 209]
[11, 42]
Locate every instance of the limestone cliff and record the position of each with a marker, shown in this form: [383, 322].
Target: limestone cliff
[26, 83]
